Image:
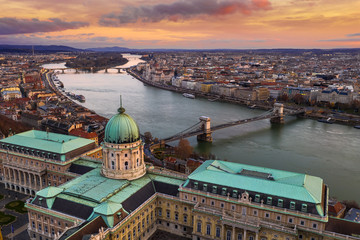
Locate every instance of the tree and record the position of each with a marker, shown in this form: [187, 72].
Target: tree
[148, 137]
[183, 150]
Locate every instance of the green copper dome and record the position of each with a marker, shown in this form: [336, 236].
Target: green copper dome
[121, 128]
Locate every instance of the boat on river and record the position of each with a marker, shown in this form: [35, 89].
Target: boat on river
[326, 120]
[188, 95]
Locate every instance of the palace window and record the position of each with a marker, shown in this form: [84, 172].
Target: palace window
[185, 218]
[137, 162]
[278, 217]
[126, 165]
[203, 200]
[239, 236]
[257, 198]
[125, 154]
[228, 235]
[218, 229]
[304, 207]
[198, 229]
[292, 205]
[159, 211]
[205, 187]
[302, 223]
[223, 191]
[176, 216]
[222, 205]
[214, 189]
[290, 220]
[208, 229]
[168, 214]
[269, 201]
[234, 193]
[280, 203]
[196, 185]
[315, 225]
[112, 164]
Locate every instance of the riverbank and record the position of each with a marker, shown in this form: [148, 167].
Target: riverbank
[314, 113]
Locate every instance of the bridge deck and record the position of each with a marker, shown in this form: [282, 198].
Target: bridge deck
[196, 132]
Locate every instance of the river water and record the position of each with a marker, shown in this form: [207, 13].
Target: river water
[330, 151]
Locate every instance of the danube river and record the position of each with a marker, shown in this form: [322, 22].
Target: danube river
[329, 151]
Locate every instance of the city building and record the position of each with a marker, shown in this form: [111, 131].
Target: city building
[10, 93]
[123, 198]
[35, 159]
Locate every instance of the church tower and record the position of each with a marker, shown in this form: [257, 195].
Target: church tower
[123, 150]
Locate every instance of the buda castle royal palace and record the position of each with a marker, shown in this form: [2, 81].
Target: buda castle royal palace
[79, 191]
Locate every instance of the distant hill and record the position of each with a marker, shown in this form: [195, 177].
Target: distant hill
[60, 48]
[110, 49]
[37, 48]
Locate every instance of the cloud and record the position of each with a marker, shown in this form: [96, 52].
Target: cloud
[18, 26]
[182, 9]
[353, 35]
[341, 40]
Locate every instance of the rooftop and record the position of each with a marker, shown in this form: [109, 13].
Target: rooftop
[269, 181]
[47, 141]
[93, 194]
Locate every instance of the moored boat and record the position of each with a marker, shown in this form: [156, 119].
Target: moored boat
[326, 120]
[188, 95]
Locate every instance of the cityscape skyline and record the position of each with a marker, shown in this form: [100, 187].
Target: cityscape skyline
[199, 24]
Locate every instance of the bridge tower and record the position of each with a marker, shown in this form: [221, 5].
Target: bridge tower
[278, 113]
[205, 126]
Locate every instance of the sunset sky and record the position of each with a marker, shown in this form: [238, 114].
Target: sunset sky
[190, 24]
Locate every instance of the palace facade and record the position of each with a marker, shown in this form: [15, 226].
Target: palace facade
[125, 199]
[32, 160]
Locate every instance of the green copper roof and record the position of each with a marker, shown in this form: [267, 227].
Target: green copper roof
[47, 141]
[108, 208]
[268, 181]
[49, 194]
[121, 128]
[93, 186]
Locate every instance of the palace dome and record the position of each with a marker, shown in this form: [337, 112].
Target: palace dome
[121, 128]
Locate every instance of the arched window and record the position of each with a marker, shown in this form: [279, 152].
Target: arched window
[112, 164]
[198, 229]
[137, 162]
[228, 235]
[126, 165]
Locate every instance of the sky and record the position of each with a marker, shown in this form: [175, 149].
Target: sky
[182, 24]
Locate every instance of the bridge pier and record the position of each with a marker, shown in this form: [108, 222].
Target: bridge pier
[205, 126]
[76, 70]
[279, 114]
[106, 70]
[62, 70]
[119, 70]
